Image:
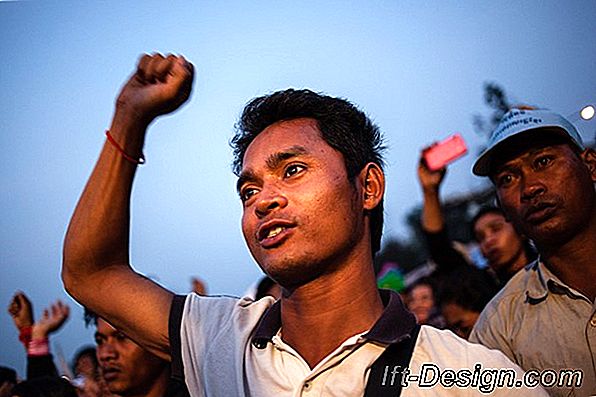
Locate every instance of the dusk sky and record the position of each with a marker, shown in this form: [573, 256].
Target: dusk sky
[416, 68]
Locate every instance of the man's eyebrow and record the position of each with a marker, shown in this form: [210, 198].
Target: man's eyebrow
[245, 176]
[277, 158]
[513, 163]
[508, 166]
[273, 161]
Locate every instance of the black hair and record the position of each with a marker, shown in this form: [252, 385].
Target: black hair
[424, 280]
[85, 351]
[468, 287]
[487, 209]
[342, 125]
[90, 317]
[8, 375]
[45, 386]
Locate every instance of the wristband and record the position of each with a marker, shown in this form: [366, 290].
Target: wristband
[38, 347]
[140, 160]
[25, 335]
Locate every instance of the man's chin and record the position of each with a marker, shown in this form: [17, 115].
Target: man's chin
[551, 233]
[290, 275]
[116, 386]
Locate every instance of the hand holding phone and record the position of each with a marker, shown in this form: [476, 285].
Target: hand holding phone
[438, 155]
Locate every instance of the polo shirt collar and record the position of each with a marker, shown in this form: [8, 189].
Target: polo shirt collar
[542, 282]
[395, 324]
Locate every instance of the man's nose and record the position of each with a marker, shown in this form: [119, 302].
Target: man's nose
[270, 201]
[106, 352]
[489, 240]
[532, 186]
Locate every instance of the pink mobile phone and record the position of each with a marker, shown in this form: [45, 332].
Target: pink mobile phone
[442, 153]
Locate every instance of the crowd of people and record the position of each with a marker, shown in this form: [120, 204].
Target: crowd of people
[311, 181]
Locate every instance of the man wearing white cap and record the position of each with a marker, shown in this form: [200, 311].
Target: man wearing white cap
[545, 317]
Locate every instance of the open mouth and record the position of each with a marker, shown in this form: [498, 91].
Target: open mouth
[492, 254]
[110, 373]
[273, 232]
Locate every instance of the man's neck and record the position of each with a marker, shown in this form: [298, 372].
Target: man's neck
[516, 264]
[158, 387]
[318, 317]
[574, 262]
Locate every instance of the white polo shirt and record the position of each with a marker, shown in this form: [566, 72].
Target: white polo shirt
[227, 347]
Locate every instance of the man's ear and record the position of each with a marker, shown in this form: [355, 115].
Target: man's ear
[372, 179]
[588, 157]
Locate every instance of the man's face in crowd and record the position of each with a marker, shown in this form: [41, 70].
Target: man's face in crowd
[499, 243]
[547, 190]
[126, 367]
[301, 214]
[421, 301]
[85, 366]
[459, 319]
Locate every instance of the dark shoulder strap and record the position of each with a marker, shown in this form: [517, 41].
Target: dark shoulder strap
[174, 325]
[385, 377]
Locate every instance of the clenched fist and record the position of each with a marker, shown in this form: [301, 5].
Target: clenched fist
[159, 86]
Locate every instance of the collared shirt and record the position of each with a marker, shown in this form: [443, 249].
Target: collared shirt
[232, 347]
[541, 323]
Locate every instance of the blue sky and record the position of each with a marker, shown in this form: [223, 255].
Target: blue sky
[417, 69]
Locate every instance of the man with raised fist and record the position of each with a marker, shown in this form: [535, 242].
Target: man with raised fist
[311, 183]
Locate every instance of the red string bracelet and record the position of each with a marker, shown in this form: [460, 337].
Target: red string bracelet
[140, 160]
[25, 336]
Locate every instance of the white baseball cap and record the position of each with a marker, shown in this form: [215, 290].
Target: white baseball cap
[531, 123]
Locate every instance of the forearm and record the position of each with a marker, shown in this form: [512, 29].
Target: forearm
[432, 214]
[96, 268]
[98, 233]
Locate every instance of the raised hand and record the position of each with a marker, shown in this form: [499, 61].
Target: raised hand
[21, 310]
[430, 181]
[52, 319]
[159, 86]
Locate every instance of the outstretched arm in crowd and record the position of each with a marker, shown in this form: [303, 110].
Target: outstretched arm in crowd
[96, 269]
[430, 182]
[439, 245]
[34, 335]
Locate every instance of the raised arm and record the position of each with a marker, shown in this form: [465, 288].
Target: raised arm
[430, 182]
[439, 245]
[96, 270]
[35, 334]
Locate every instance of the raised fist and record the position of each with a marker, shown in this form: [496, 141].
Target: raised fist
[21, 310]
[159, 86]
